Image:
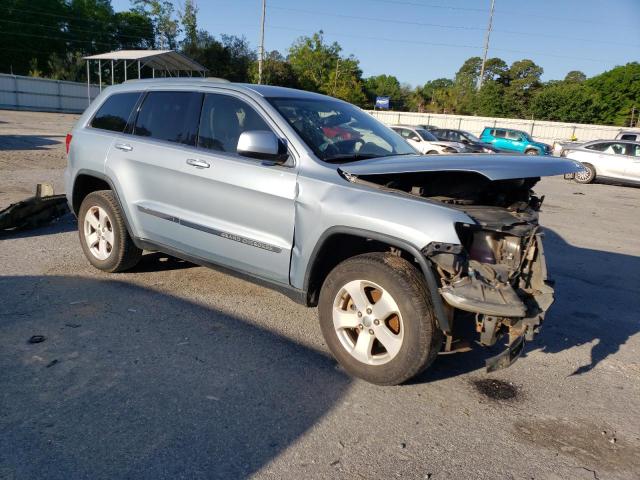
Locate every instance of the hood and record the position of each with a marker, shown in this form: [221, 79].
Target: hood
[494, 167]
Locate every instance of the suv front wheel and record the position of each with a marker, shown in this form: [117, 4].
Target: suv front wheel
[377, 319]
[103, 233]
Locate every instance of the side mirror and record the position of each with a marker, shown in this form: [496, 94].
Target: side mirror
[466, 142]
[416, 139]
[263, 145]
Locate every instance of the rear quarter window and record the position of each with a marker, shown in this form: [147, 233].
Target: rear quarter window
[114, 113]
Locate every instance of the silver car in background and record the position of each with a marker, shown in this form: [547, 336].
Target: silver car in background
[402, 254]
[606, 160]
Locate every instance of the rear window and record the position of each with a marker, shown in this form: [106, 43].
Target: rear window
[170, 116]
[115, 112]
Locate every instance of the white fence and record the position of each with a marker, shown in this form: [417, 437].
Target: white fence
[40, 94]
[541, 130]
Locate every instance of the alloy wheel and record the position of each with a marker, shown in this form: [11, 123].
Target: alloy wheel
[98, 232]
[368, 322]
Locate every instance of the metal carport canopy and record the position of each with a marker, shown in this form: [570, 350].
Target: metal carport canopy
[156, 59]
[163, 60]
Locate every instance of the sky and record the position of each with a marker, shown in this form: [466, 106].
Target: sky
[420, 40]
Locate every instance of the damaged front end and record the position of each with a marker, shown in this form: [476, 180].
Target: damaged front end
[498, 273]
[495, 280]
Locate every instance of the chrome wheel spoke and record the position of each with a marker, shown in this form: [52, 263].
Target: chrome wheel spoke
[345, 319]
[355, 290]
[384, 307]
[102, 247]
[92, 220]
[108, 236]
[390, 341]
[362, 348]
[92, 240]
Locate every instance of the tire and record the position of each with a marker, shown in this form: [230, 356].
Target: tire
[432, 152]
[411, 338]
[532, 151]
[586, 176]
[103, 233]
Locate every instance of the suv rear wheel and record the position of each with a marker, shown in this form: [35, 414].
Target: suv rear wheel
[377, 319]
[103, 233]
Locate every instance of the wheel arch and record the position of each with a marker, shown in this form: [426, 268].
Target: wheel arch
[88, 181]
[338, 243]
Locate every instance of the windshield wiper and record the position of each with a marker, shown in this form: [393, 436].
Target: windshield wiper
[348, 157]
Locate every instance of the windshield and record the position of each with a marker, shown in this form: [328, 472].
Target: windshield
[426, 135]
[471, 137]
[338, 131]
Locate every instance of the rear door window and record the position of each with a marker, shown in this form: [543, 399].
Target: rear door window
[170, 116]
[599, 147]
[499, 133]
[629, 136]
[223, 119]
[114, 113]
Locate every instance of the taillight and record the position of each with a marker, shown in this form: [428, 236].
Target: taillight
[67, 142]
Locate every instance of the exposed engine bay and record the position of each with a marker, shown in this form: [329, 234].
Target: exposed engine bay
[497, 274]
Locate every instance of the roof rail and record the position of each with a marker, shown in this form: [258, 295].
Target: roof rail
[179, 79]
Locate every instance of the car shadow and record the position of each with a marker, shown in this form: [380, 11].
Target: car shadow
[131, 382]
[28, 142]
[597, 300]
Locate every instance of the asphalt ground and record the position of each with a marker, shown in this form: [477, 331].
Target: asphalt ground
[177, 371]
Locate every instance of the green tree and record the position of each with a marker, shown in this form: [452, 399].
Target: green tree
[619, 91]
[524, 80]
[24, 39]
[566, 102]
[489, 100]
[575, 76]
[275, 71]
[385, 86]
[229, 58]
[319, 67]
[133, 31]
[189, 20]
[69, 67]
[89, 27]
[161, 14]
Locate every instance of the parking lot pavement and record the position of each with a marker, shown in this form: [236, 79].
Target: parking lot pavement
[177, 371]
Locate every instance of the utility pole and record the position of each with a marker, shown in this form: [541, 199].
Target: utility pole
[486, 44]
[633, 113]
[261, 53]
[335, 78]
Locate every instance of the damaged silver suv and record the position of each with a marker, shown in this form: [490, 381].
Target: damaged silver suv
[401, 253]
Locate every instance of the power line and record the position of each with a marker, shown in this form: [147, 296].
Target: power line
[443, 26]
[62, 31]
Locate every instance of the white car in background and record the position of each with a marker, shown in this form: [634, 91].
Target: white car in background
[612, 160]
[426, 142]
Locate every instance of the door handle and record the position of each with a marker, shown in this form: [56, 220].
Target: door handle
[124, 147]
[194, 162]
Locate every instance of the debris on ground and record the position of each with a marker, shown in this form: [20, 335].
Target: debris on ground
[41, 209]
[37, 339]
[496, 389]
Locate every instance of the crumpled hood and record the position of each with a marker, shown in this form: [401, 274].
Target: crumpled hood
[494, 167]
